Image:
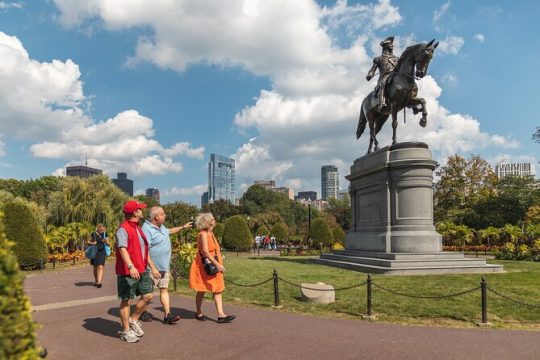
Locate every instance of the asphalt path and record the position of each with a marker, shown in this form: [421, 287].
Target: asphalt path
[80, 321]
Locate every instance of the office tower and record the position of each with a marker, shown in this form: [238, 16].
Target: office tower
[221, 179]
[306, 195]
[267, 184]
[153, 193]
[515, 169]
[204, 199]
[329, 182]
[82, 171]
[125, 184]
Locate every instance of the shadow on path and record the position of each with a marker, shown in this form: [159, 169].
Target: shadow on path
[84, 283]
[102, 326]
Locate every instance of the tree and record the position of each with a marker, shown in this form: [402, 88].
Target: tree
[218, 230]
[237, 235]
[341, 210]
[463, 182]
[179, 213]
[22, 228]
[148, 200]
[339, 235]
[281, 232]
[221, 209]
[321, 233]
[536, 135]
[94, 200]
[262, 230]
[17, 334]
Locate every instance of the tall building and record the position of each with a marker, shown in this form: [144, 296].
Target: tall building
[267, 184]
[516, 169]
[284, 190]
[204, 199]
[329, 182]
[306, 195]
[82, 171]
[125, 184]
[221, 179]
[153, 193]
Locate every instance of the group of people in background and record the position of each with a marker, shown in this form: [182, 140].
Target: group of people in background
[267, 242]
[143, 256]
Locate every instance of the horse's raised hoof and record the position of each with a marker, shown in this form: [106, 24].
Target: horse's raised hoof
[423, 122]
[415, 110]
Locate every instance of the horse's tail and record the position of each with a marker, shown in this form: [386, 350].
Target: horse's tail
[362, 121]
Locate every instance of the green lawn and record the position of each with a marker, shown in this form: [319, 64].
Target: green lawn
[521, 281]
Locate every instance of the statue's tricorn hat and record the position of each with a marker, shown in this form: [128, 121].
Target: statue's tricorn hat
[388, 40]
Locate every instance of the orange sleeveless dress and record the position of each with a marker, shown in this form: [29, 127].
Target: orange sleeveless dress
[198, 279]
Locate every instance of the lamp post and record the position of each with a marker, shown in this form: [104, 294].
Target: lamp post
[309, 223]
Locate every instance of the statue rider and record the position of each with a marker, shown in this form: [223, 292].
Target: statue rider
[386, 64]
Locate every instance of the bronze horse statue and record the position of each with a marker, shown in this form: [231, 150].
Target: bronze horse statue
[400, 91]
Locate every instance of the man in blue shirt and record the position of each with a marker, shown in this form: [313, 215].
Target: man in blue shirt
[160, 252]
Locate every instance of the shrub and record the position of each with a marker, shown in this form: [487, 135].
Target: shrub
[339, 235]
[17, 330]
[262, 230]
[236, 235]
[22, 228]
[182, 259]
[281, 232]
[218, 230]
[321, 233]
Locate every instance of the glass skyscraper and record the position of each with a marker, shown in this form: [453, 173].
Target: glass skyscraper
[221, 179]
[329, 182]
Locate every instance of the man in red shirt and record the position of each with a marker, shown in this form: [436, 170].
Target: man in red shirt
[133, 277]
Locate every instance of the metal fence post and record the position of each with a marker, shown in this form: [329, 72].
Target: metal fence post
[483, 285]
[369, 295]
[41, 266]
[54, 263]
[73, 260]
[276, 289]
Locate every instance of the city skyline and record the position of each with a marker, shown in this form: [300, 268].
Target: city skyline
[152, 90]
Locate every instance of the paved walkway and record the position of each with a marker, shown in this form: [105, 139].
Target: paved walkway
[80, 321]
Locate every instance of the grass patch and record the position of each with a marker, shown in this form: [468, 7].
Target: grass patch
[521, 282]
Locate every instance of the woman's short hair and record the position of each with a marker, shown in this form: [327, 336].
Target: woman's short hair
[204, 221]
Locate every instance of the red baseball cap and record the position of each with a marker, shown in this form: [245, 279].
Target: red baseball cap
[132, 205]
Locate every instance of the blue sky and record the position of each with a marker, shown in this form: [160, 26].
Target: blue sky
[152, 88]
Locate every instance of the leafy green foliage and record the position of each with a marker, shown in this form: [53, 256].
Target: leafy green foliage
[221, 209]
[237, 235]
[38, 190]
[321, 233]
[341, 210]
[262, 230]
[68, 238]
[536, 135]
[39, 211]
[22, 228]
[17, 330]
[339, 235]
[182, 258]
[218, 230]
[179, 213]
[148, 200]
[94, 200]
[266, 207]
[281, 232]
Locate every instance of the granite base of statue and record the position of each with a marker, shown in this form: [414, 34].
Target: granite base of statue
[392, 228]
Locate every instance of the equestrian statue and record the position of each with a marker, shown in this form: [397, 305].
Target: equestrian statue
[396, 88]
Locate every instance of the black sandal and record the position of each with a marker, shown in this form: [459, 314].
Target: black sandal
[200, 318]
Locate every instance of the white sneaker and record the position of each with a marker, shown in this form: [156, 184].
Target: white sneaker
[128, 336]
[136, 327]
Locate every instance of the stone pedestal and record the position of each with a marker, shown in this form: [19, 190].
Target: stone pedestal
[392, 217]
[318, 293]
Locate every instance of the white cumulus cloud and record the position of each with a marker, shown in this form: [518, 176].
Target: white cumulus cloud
[451, 45]
[479, 37]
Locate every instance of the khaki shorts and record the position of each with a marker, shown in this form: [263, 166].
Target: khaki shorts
[163, 281]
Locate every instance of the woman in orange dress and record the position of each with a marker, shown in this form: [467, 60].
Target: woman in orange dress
[208, 247]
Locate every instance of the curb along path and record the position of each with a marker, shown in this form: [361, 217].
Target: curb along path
[80, 321]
